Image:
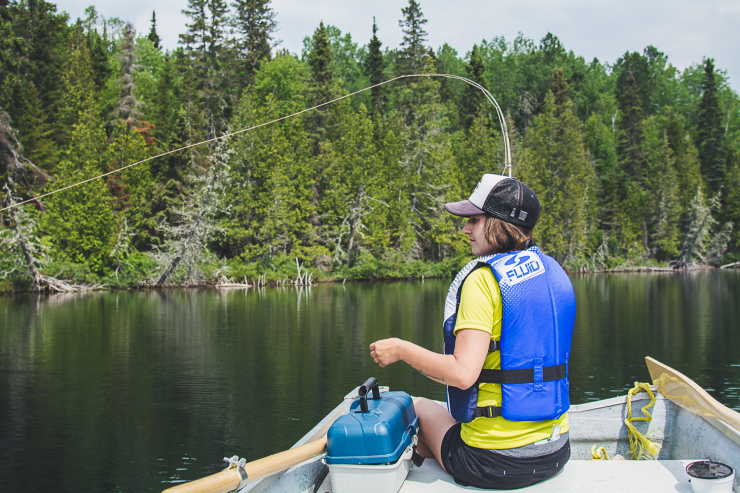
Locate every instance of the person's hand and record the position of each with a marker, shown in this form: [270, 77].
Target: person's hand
[386, 351]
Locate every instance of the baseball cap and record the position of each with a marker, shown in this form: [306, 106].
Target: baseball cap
[502, 197]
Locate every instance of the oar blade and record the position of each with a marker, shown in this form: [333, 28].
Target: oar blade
[688, 394]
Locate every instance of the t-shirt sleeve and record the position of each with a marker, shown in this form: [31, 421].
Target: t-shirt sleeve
[479, 301]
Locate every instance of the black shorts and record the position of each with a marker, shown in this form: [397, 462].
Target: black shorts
[487, 469]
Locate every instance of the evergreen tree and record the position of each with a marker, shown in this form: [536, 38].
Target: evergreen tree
[153, 36]
[128, 108]
[352, 166]
[413, 51]
[374, 66]
[473, 99]
[132, 188]
[663, 189]
[630, 126]
[710, 133]
[196, 36]
[254, 23]
[215, 92]
[481, 152]
[731, 207]
[320, 60]
[80, 221]
[324, 86]
[556, 167]
[429, 173]
[78, 87]
[35, 132]
[167, 104]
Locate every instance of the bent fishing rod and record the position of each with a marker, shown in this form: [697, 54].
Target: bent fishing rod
[486, 93]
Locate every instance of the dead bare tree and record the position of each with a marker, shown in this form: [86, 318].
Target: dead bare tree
[185, 251]
[699, 247]
[25, 255]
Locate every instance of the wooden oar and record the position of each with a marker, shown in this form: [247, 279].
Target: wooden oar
[230, 479]
[686, 393]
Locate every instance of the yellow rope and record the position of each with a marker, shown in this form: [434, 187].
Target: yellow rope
[641, 447]
[599, 453]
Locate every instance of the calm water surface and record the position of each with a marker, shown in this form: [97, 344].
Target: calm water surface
[127, 391]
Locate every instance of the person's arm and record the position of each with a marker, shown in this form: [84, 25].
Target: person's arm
[459, 370]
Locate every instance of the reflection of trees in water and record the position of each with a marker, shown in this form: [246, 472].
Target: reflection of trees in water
[123, 385]
[684, 319]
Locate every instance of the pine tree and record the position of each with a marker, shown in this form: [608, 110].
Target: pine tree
[556, 167]
[78, 87]
[710, 134]
[473, 101]
[132, 188]
[80, 221]
[324, 87]
[731, 206]
[35, 133]
[196, 37]
[374, 66]
[167, 104]
[215, 93]
[353, 165]
[271, 204]
[481, 152]
[254, 23]
[153, 36]
[413, 52]
[665, 208]
[128, 108]
[429, 173]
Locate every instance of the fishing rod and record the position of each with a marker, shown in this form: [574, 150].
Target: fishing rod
[486, 93]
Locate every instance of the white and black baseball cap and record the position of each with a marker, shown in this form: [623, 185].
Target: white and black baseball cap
[502, 197]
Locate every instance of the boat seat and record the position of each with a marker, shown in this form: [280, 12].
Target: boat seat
[585, 476]
[577, 476]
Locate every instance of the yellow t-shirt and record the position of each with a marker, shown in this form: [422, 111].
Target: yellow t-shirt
[481, 309]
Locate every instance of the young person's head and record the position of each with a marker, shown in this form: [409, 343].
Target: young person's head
[502, 213]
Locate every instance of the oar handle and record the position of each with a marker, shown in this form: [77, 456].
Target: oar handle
[229, 480]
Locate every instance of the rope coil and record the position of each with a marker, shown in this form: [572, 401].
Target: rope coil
[641, 447]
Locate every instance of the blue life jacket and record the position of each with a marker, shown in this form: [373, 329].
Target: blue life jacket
[539, 310]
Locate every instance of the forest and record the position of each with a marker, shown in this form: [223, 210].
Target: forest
[636, 163]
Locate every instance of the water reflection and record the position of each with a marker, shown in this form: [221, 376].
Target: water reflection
[122, 391]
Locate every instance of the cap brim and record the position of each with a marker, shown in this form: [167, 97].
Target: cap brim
[463, 208]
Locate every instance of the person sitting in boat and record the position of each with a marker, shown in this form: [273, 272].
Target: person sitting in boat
[509, 317]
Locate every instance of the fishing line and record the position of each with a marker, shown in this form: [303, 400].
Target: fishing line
[488, 95]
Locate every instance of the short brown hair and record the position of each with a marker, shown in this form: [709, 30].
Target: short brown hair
[505, 237]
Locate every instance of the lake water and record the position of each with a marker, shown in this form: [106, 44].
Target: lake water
[126, 391]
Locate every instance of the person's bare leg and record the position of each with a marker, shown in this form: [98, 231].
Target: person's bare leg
[434, 421]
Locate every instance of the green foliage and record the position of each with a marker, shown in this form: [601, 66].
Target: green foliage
[413, 50]
[557, 169]
[710, 133]
[80, 222]
[616, 152]
[254, 21]
[153, 36]
[374, 65]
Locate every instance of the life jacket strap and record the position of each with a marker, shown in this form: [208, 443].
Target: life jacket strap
[526, 375]
[487, 412]
[494, 346]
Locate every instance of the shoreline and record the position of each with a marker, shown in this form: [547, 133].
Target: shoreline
[286, 282]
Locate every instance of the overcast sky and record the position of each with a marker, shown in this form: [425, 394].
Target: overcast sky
[685, 30]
